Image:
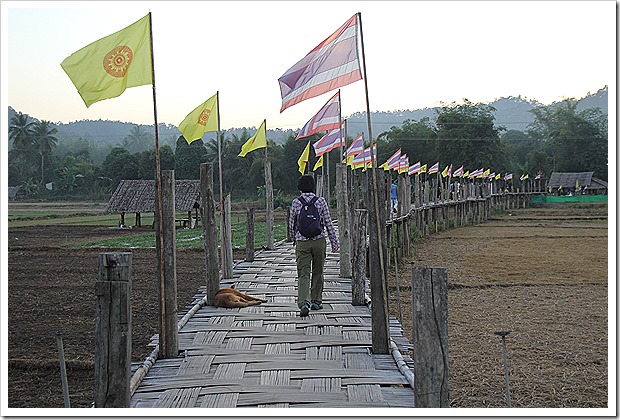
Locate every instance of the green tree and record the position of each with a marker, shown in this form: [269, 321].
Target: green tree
[466, 135]
[577, 141]
[188, 157]
[20, 156]
[119, 165]
[138, 140]
[415, 139]
[45, 142]
[147, 161]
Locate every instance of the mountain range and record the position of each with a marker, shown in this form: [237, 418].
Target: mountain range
[512, 113]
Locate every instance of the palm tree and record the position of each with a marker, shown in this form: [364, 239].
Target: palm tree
[137, 140]
[45, 141]
[20, 131]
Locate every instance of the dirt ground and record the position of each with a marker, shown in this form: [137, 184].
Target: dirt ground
[540, 274]
[541, 277]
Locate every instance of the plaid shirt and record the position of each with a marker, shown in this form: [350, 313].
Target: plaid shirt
[326, 219]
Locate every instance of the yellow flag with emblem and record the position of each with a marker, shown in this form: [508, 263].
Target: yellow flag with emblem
[105, 68]
[201, 120]
[257, 141]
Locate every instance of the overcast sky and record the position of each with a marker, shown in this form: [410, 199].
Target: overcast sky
[418, 54]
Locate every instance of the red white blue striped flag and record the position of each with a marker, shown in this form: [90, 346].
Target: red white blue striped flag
[393, 161]
[328, 142]
[434, 169]
[331, 64]
[356, 147]
[415, 168]
[326, 119]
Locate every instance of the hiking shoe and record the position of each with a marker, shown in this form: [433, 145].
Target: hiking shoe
[315, 306]
[304, 310]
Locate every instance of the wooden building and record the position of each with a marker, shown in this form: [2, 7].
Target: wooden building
[563, 183]
[138, 196]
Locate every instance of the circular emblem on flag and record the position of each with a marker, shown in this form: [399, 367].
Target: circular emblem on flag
[117, 61]
[204, 117]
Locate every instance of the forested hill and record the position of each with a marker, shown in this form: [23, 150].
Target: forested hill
[511, 113]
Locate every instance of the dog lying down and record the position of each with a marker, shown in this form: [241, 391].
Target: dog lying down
[233, 298]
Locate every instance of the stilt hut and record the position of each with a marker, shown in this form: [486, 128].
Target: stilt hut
[576, 183]
[138, 196]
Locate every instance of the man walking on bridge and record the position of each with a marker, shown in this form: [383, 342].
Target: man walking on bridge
[309, 216]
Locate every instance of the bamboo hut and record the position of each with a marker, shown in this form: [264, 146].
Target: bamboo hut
[138, 196]
[563, 183]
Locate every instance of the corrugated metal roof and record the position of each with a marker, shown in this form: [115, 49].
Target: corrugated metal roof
[138, 196]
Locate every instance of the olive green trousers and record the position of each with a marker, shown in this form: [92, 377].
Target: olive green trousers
[310, 258]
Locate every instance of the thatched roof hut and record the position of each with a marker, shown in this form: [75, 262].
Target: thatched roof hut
[584, 180]
[138, 196]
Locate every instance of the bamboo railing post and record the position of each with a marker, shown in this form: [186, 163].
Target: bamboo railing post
[249, 235]
[209, 228]
[113, 330]
[269, 205]
[343, 220]
[168, 332]
[358, 248]
[378, 264]
[227, 254]
[430, 336]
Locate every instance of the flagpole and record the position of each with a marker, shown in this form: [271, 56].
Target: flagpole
[219, 158]
[374, 177]
[162, 339]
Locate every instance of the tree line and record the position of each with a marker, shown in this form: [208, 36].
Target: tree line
[559, 139]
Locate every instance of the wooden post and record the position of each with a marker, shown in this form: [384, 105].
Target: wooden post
[430, 336]
[249, 235]
[358, 248]
[227, 254]
[343, 220]
[168, 330]
[209, 228]
[378, 270]
[269, 204]
[113, 330]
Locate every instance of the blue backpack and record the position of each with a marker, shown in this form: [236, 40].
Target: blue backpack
[309, 220]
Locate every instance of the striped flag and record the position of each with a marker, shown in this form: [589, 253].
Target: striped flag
[326, 119]
[331, 64]
[434, 169]
[507, 177]
[414, 169]
[458, 172]
[392, 162]
[328, 142]
[403, 164]
[363, 159]
[356, 147]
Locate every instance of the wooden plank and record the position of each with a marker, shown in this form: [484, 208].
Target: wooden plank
[227, 400]
[364, 393]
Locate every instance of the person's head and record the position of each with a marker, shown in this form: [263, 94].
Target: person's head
[306, 183]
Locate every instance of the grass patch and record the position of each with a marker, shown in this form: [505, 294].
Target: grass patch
[191, 238]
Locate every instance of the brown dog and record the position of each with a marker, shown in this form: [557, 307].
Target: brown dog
[232, 298]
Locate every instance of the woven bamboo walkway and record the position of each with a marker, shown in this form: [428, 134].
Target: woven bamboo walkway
[268, 356]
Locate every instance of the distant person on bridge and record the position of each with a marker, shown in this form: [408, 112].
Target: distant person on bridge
[309, 217]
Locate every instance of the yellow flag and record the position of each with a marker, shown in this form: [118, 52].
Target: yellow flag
[303, 159]
[318, 163]
[257, 141]
[105, 68]
[423, 169]
[201, 120]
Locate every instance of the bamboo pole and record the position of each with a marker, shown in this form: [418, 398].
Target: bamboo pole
[160, 242]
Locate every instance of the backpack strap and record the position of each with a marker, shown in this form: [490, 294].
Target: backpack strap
[303, 201]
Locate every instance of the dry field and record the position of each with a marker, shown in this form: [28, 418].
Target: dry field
[541, 274]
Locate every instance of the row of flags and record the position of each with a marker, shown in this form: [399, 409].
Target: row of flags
[400, 163]
[106, 67]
